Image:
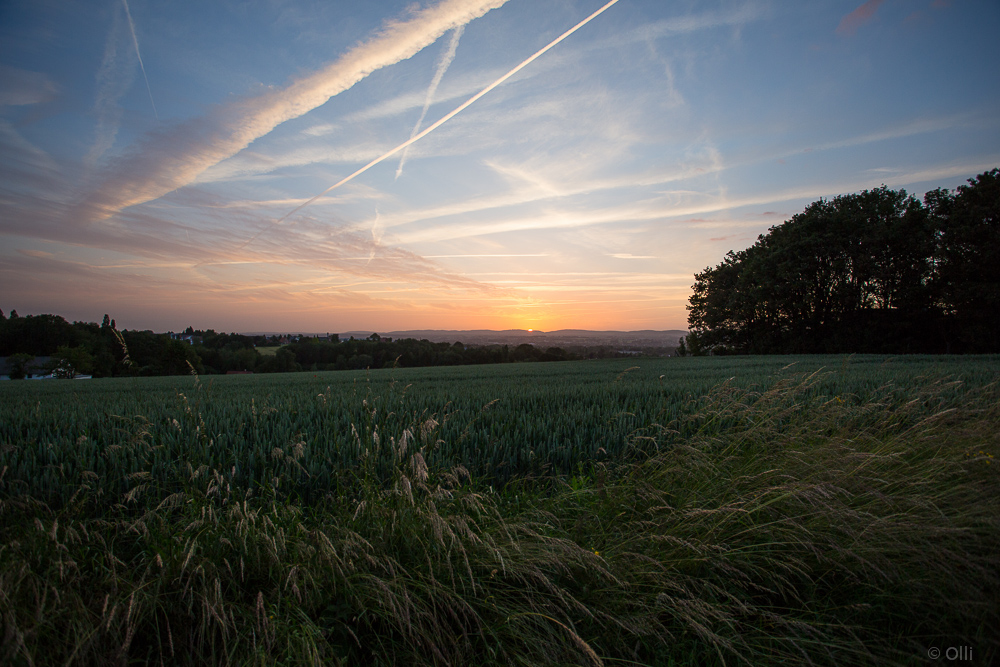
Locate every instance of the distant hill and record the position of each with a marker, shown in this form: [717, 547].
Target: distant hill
[560, 338]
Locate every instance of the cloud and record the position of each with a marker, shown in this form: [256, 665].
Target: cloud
[536, 254]
[20, 87]
[672, 207]
[168, 241]
[114, 77]
[540, 182]
[863, 14]
[38, 254]
[536, 124]
[28, 175]
[704, 21]
[167, 159]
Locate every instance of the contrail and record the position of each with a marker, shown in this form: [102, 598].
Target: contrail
[442, 67]
[174, 157]
[131, 26]
[439, 122]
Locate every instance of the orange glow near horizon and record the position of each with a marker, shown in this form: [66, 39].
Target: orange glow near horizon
[286, 302]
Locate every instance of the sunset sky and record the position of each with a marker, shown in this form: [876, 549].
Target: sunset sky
[194, 163]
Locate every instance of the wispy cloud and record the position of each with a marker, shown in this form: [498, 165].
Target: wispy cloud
[860, 16]
[377, 232]
[460, 87]
[744, 13]
[20, 87]
[534, 186]
[480, 255]
[915, 126]
[171, 158]
[673, 207]
[114, 77]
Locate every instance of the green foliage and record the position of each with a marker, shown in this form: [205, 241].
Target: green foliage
[68, 362]
[19, 364]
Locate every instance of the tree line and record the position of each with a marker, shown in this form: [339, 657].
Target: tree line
[101, 350]
[878, 271]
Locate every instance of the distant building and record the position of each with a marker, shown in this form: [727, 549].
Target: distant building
[190, 339]
[33, 370]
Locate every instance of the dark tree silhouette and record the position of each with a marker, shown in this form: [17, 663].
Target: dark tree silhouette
[875, 271]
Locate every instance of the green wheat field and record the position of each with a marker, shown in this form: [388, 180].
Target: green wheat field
[684, 511]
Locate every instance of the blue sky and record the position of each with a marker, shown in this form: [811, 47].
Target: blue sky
[186, 163]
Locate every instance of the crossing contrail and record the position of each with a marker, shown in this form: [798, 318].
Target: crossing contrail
[444, 119]
[173, 157]
[442, 67]
[135, 41]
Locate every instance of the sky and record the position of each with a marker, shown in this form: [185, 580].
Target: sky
[301, 166]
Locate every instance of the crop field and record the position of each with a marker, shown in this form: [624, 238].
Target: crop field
[497, 421]
[657, 511]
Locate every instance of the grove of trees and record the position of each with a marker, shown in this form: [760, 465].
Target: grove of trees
[877, 271]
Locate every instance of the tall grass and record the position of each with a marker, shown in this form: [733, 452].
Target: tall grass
[784, 526]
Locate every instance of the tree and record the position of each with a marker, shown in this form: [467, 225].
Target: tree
[967, 283]
[284, 361]
[851, 274]
[38, 335]
[719, 313]
[18, 364]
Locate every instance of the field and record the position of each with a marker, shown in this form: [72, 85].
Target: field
[766, 510]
